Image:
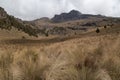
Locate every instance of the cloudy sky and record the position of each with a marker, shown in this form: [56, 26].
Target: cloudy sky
[33, 9]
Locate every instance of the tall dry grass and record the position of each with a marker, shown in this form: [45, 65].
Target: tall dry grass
[90, 58]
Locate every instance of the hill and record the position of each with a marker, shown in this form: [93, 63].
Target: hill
[8, 22]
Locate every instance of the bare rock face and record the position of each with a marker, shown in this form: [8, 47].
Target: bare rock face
[3, 13]
[72, 15]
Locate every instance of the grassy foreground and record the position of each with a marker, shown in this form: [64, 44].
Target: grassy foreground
[89, 58]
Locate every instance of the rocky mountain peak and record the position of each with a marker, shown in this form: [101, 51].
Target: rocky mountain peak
[72, 15]
[75, 12]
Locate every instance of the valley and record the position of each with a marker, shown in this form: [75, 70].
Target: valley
[70, 46]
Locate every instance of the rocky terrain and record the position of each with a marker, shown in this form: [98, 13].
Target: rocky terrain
[73, 15]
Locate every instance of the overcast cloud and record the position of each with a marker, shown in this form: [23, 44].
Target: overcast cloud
[33, 9]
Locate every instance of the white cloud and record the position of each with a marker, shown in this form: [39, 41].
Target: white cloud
[32, 9]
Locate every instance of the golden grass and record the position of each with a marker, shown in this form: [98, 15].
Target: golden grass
[89, 58]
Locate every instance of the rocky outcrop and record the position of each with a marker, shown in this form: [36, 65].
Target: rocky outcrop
[72, 15]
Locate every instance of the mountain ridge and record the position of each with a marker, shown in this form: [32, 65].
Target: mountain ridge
[72, 15]
[73, 22]
[8, 22]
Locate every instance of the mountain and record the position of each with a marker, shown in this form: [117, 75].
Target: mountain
[72, 15]
[8, 22]
[72, 23]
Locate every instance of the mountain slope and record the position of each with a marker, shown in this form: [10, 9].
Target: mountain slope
[8, 22]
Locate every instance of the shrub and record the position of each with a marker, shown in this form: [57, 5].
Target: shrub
[97, 30]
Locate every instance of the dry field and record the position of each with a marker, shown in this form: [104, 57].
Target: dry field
[85, 58]
[88, 56]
